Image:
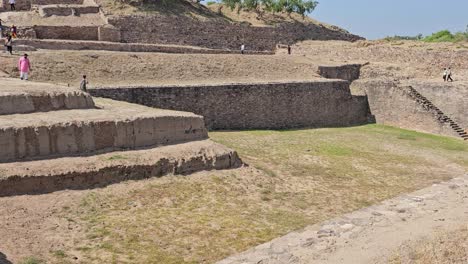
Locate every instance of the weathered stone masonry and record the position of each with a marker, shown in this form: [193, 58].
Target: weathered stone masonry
[255, 106]
[184, 30]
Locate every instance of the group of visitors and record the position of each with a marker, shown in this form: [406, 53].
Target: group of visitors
[24, 67]
[9, 35]
[447, 75]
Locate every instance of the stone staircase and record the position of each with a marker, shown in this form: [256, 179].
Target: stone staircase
[54, 138]
[441, 117]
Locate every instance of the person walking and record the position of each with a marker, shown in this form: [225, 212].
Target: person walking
[9, 44]
[242, 48]
[449, 75]
[24, 66]
[83, 84]
[12, 5]
[289, 49]
[445, 74]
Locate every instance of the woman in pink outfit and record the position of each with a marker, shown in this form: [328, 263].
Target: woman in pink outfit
[24, 66]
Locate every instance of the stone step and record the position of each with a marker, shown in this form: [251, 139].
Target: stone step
[45, 176]
[67, 10]
[113, 126]
[18, 97]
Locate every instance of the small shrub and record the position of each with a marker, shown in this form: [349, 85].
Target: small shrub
[59, 254]
[447, 36]
[441, 36]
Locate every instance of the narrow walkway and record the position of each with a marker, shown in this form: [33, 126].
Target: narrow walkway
[370, 235]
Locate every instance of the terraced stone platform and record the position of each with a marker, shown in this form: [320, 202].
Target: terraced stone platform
[113, 126]
[44, 176]
[17, 97]
[55, 137]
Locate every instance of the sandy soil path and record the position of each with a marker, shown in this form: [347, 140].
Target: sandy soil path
[370, 235]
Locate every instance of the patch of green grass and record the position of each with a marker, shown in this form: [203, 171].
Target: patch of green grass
[334, 150]
[406, 136]
[32, 260]
[59, 254]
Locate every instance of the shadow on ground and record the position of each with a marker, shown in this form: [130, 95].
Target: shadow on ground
[4, 260]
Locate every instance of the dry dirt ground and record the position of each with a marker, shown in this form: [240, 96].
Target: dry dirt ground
[392, 59]
[400, 60]
[122, 68]
[295, 178]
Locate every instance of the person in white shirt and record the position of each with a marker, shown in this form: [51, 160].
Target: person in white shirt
[445, 74]
[242, 48]
[12, 5]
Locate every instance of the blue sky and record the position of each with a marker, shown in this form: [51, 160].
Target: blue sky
[380, 18]
[374, 19]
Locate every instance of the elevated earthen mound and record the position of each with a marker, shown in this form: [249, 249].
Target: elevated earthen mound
[182, 22]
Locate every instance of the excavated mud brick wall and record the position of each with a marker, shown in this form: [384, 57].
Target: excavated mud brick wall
[392, 105]
[66, 139]
[65, 32]
[67, 11]
[184, 30]
[349, 72]
[255, 106]
[59, 32]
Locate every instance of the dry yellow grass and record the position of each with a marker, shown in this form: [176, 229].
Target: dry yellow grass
[445, 247]
[295, 178]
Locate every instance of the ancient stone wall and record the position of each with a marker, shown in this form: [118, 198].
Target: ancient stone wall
[109, 33]
[54, 10]
[349, 72]
[451, 98]
[104, 169]
[21, 103]
[65, 139]
[255, 106]
[185, 30]
[391, 104]
[66, 32]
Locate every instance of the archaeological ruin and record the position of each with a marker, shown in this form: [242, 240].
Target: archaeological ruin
[171, 95]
